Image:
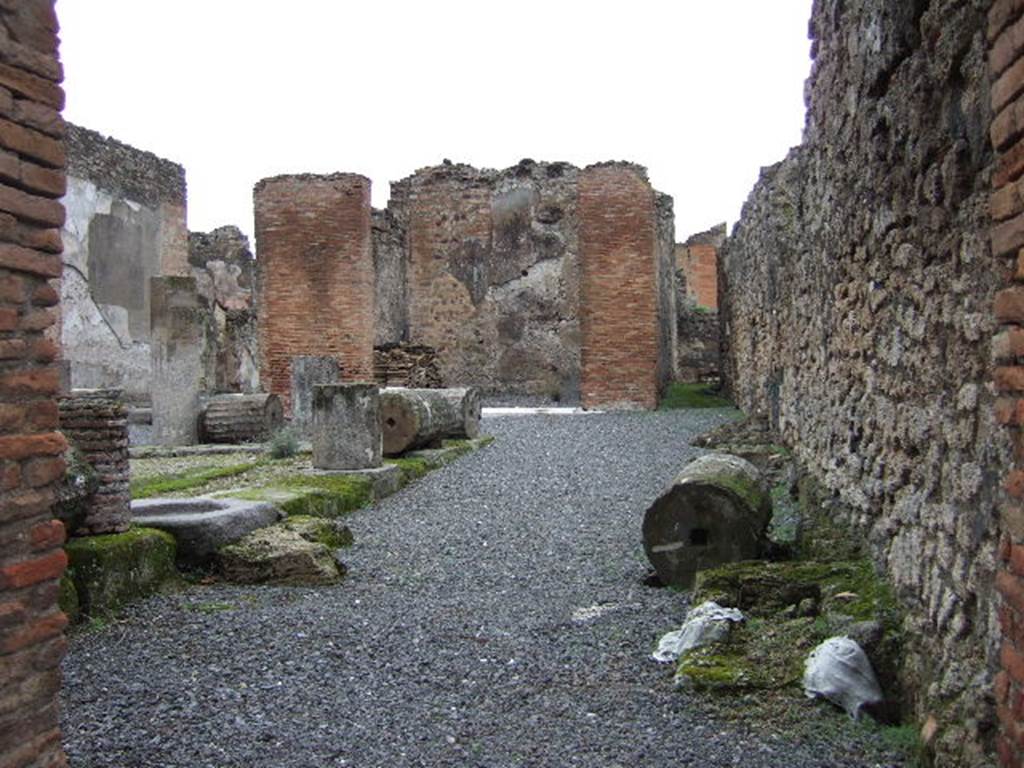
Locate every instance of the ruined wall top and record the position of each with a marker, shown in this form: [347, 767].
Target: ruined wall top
[300, 178]
[526, 168]
[123, 170]
[714, 237]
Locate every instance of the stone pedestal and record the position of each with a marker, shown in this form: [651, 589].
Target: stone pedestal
[307, 372]
[346, 426]
[95, 421]
[179, 325]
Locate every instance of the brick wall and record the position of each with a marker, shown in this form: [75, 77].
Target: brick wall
[316, 275]
[1006, 67]
[697, 259]
[619, 287]
[699, 264]
[31, 558]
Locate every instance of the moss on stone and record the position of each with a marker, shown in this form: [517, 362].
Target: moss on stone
[758, 654]
[109, 571]
[821, 536]
[314, 495]
[330, 533]
[67, 598]
[763, 588]
[749, 492]
[412, 468]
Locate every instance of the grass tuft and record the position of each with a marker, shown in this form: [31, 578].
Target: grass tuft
[692, 395]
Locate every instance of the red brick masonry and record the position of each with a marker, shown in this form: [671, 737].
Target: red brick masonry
[316, 275]
[31, 555]
[619, 300]
[1006, 66]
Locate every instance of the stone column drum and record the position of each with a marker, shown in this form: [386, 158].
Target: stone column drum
[346, 426]
[95, 421]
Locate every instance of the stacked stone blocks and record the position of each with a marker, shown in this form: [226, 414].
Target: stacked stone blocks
[1006, 65]
[316, 275]
[31, 555]
[95, 421]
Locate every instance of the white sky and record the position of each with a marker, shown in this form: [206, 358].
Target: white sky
[701, 92]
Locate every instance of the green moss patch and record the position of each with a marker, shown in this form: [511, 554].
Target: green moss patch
[192, 479]
[313, 495]
[330, 533]
[109, 571]
[67, 598]
[822, 536]
[763, 588]
[692, 395]
[759, 654]
[412, 468]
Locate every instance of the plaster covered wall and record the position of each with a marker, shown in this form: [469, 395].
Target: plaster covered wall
[125, 224]
[856, 301]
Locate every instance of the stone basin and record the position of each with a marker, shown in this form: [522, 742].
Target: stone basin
[203, 525]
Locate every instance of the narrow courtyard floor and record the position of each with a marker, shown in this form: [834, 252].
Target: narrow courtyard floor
[495, 614]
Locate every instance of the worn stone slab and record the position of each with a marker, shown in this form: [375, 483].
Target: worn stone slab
[202, 525]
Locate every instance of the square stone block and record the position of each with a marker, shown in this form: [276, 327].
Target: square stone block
[346, 426]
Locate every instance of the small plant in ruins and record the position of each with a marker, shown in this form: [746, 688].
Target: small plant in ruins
[283, 444]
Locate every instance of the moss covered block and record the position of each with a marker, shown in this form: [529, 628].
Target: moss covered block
[109, 571]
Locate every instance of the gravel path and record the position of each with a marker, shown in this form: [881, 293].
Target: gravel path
[494, 615]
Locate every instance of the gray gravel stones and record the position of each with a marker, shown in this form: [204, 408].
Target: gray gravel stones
[494, 615]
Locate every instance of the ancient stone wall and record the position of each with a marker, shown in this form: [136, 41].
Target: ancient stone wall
[856, 298]
[125, 224]
[493, 281]
[1006, 68]
[32, 559]
[316, 275]
[391, 267]
[476, 281]
[225, 272]
[665, 245]
[622, 348]
[698, 357]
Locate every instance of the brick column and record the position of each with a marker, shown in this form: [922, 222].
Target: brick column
[1006, 66]
[316, 275]
[95, 421]
[31, 556]
[619, 294]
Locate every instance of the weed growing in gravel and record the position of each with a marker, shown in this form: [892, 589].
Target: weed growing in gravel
[283, 444]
